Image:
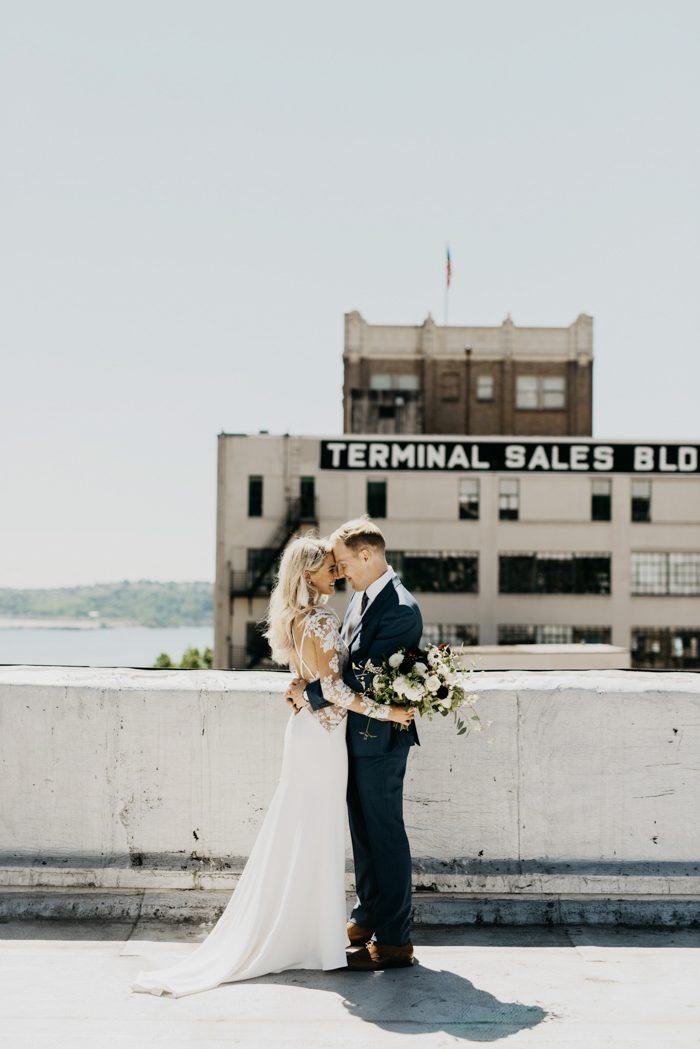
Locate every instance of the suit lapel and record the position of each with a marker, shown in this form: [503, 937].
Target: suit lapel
[372, 613]
[347, 618]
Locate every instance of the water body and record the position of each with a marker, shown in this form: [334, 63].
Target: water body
[113, 647]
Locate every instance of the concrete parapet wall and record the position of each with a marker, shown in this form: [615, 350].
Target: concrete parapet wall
[585, 783]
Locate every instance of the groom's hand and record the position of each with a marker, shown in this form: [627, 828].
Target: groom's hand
[295, 694]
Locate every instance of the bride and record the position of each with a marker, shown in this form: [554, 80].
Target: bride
[288, 909]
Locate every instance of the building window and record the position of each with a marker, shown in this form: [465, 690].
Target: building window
[554, 573]
[675, 574]
[380, 382]
[307, 498]
[434, 571]
[255, 496]
[394, 382]
[450, 634]
[666, 647]
[540, 391]
[641, 501]
[469, 499]
[601, 493]
[262, 563]
[376, 498]
[530, 634]
[508, 499]
[484, 387]
[407, 382]
[553, 391]
[257, 650]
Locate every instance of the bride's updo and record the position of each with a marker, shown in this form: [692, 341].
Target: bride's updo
[291, 594]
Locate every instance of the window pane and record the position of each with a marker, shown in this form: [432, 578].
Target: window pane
[601, 500]
[526, 391]
[553, 391]
[516, 573]
[666, 647]
[592, 574]
[407, 382]
[649, 573]
[261, 569]
[460, 574]
[684, 574]
[641, 501]
[307, 498]
[380, 382]
[433, 571]
[450, 634]
[526, 633]
[508, 499]
[554, 574]
[255, 496]
[376, 498]
[469, 499]
[484, 388]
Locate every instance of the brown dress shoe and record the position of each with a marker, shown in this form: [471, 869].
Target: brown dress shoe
[358, 935]
[377, 956]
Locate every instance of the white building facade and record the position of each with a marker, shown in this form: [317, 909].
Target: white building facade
[501, 539]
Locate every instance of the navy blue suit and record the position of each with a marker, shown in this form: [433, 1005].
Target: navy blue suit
[377, 763]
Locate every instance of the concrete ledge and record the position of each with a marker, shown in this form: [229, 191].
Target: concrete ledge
[143, 879]
[429, 908]
[125, 790]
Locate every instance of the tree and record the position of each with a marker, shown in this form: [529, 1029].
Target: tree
[192, 659]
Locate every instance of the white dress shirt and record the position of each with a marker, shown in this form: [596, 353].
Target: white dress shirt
[375, 588]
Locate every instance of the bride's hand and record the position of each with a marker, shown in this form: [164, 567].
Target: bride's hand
[402, 715]
[295, 694]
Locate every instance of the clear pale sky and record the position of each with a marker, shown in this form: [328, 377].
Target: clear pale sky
[193, 194]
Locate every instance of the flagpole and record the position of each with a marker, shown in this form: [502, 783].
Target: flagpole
[448, 281]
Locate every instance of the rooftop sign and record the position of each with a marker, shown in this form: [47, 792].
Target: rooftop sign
[517, 456]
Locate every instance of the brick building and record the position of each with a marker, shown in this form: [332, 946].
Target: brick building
[428, 379]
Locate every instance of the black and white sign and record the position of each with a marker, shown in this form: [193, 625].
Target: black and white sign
[517, 456]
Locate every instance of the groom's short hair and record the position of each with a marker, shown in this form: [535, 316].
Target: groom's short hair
[360, 532]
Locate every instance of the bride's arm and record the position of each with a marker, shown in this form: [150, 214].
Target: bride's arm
[326, 640]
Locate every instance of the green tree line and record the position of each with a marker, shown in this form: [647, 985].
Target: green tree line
[144, 602]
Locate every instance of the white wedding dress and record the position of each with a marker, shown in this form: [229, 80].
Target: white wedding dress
[288, 909]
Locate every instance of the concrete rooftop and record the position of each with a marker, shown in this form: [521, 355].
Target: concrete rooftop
[67, 985]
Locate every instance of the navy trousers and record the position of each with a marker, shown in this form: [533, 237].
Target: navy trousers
[380, 845]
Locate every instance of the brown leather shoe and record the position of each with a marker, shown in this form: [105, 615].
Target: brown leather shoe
[358, 935]
[377, 956]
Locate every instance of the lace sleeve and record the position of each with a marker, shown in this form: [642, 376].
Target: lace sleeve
[327, 641]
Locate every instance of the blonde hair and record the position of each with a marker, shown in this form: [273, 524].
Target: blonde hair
[292, 595]
[362, 531]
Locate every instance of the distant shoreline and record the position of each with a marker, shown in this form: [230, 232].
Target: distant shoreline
[72, 623]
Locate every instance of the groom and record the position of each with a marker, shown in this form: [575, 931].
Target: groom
[381, 618]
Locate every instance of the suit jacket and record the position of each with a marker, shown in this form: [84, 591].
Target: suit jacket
[391, 621]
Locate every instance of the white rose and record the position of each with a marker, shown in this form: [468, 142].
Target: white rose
[420, 669]
[417, 691]
[432, 683]
[396, 660]
[401, 686]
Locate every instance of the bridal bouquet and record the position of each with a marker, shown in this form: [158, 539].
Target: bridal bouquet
[428, 680]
